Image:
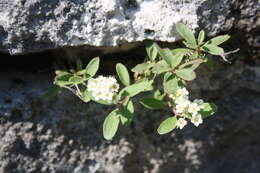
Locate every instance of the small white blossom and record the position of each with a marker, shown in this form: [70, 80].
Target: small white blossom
[181, 122]
[172, 96]
[196, 120]
[104, 88]
[183, 100]
[193, 108]
[182, 103]
[180, 108]
[182, 92]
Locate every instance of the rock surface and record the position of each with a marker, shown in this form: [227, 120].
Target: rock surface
[62, 134]
[33, 26]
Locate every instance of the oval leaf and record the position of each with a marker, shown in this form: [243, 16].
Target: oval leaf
[141, 68]
[167, 55]
[208, 110]
[152, 50]
[136, 88]
[213, 49]
[177, 59]
[172, 60]
[167, 125]
[161, 67]
[127, 113]
[110, 125]
[158, 95]
[172, 84]
[63, 79]
[92, 67]
[219, 39]
[186, 74]
[152, 103]
[187, 34]
[181, 50]
[76, 80]
[201, 37]
[123, 74]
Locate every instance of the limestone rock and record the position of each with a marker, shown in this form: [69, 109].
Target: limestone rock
[33, 26]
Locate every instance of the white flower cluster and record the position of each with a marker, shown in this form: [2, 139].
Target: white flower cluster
[103, 88]
[186, 108]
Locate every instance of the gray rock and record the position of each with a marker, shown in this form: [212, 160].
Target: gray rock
[33, 26]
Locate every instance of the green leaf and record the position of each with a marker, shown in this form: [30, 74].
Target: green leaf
[187, 34]
[110, 125]
[61, 73]
[152, 103]
[85, 96]
[76, 80]
[172, 60]
[167, 55]
[181, 50]
[123, 74]
[167, 76]
[136, 88]
[141, 68]
[167, 125]
[192, 64]
[92, 67]
[186, 74]
[208, 110]
[213, 49]
[63, 79]
[161, 67]
[177, 59]
[201, 37]
[158, 95]
[126, 113]
[152, 50]
[172, 84]
[219, 39]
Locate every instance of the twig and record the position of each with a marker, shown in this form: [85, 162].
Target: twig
[227, 53]
[78, 90]
[190, 63]
[74, 92]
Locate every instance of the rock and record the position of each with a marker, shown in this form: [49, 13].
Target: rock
[62, 134]
[33, 26]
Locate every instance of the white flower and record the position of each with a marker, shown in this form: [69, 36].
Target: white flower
[182, 92]
[196, 120]
[183, 100]
[193, 108]
[181, 122]
[182, 103]
[172, 96]
[104, 88]
[180, 108]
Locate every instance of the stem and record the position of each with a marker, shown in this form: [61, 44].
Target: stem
[227, 53]
[74, 92]
[190, 63]
[121, 102]
[78, 90]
